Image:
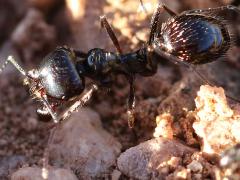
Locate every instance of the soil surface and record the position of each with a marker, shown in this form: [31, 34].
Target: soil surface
[51, 23]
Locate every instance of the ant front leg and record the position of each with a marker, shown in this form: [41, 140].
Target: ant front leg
[83, 99]
[155, 20]
[131, 102]
[48, 109]
[45, 168]
[112, 35]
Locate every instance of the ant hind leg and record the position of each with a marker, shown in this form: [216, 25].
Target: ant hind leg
[155, 20]
[175, 60]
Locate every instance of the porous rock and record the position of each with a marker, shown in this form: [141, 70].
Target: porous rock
[216, 123]
[152, 159]
[84, 146]
[35, 173]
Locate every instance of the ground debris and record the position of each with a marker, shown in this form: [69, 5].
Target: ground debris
[164, 126]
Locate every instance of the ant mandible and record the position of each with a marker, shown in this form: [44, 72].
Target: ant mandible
[190, 38]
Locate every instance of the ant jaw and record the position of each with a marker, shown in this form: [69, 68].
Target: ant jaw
[26, 82]
[33, 74]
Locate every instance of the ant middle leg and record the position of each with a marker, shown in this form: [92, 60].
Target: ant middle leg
[131, 102]
[111, 34]
[155, 20]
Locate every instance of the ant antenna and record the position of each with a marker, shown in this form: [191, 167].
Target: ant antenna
[15, 64]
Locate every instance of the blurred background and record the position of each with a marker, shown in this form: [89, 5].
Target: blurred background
[30, 29]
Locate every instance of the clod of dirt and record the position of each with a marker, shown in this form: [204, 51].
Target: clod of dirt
[156, 158]
[181, 96]
[216, 123]
[83, 145]
[195, 166]
[35, 173]
[116, 175]
[164, 126]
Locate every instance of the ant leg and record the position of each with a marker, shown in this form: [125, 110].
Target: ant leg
[45, 172]
[155, 19]
[80, 102]
[131, 102]
[175, 60]
[23, 72]
[49, 109]
[111, 34]
[217, 12]
[208, 82]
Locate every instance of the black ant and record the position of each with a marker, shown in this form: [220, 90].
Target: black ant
[190, 38]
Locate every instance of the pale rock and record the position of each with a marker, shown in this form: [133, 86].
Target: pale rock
[216, 123]
[81, 144]
[153, 158]
[195, 166]
[35, 173]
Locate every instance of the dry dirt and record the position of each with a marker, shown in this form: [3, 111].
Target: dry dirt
[23, 137]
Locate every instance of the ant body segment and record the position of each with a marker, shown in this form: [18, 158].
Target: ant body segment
[190, 38]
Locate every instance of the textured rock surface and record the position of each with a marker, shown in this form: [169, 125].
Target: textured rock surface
[35, 173]
[217, 124]
[84, 146]
[153, 158]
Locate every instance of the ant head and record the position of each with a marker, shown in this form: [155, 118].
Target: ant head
[58, 75]
[56, 80]
[32, 81]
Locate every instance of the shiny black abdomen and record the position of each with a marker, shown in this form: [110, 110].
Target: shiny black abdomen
[59, 76]
[195, 38]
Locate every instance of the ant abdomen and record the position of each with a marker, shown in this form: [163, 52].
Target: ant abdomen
[58, 75]
[194, 38]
